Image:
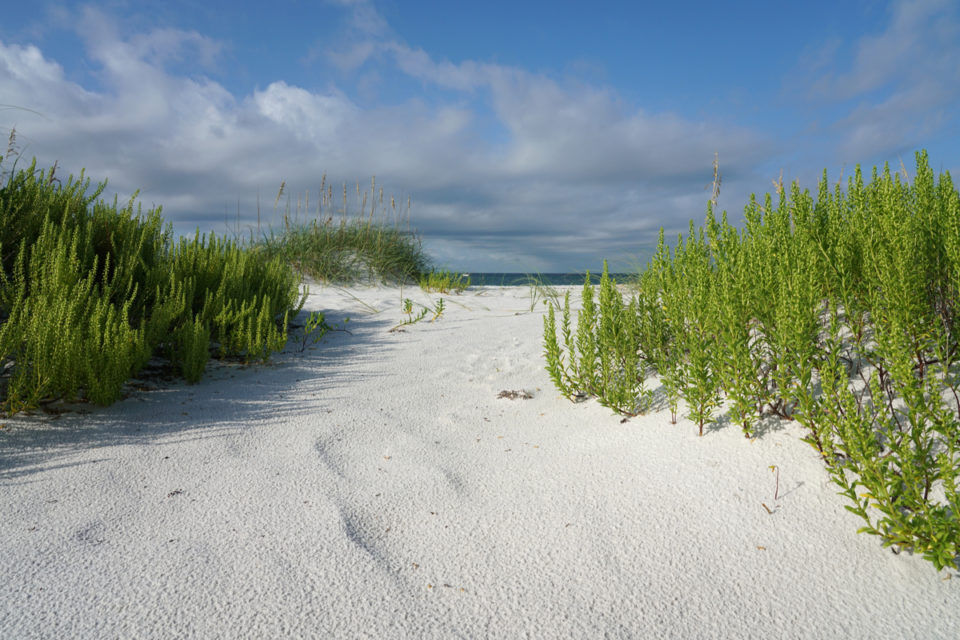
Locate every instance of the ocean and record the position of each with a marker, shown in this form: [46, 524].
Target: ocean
[552, 279]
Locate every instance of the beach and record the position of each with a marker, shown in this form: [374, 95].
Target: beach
[430, 482]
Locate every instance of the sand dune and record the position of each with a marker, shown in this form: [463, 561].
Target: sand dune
[376, 486]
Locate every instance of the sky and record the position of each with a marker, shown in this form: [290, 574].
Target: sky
[531, 137]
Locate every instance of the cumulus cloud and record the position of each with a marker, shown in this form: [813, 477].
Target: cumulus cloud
[312, 116]
[575, 176]
[508, 169]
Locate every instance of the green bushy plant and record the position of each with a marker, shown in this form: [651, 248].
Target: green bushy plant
[603, 357]
[89, 291]
[444, 282]
[840, 313]
[316, 326]
[374, 244]
[245, 297]
[192, 349]
[65, 330]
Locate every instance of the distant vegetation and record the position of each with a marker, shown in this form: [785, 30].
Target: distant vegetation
[91, 291]
[373, 245]
[841, 313]
[444, 282]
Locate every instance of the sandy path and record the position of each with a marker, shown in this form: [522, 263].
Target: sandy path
[376, 486]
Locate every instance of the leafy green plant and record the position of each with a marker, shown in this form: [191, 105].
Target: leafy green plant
[444, 282]
[560, 373]
[89, 291]
[193, 340]
[438, 309]
[840, 313]
[407, 308]
[552, 352]
[603, 359]
[317, 327]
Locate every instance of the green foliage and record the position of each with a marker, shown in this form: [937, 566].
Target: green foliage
[89, 291]
[552, 351]
[193, 352]
[841, 313]
[444, 282]
[64, 331]
[413, 317]
[407, 309]
[604, 358]
[438, 310]
[541, 292]
[353, 250]
[337, 246]
[243, 296]
[317, 327]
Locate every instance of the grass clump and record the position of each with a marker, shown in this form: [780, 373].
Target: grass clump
[541, 292]
[374, 245]
[90, 291]
[444, 282]
[840, 313]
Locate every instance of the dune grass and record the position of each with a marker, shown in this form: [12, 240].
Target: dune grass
[376, 244]
[541, 292]
[444, 281]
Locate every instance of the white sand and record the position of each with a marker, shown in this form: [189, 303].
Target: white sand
[375, 486]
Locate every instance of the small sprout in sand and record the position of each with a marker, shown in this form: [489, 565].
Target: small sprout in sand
[316, 322]
[407, 308]
[438, 310]
[776, 492]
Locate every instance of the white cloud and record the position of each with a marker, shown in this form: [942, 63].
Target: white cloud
[579, 130]
[305, 114]
[900, 85]
[32, 82]
[571, 175]
[418, 64]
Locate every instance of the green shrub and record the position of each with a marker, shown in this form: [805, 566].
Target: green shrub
[89, 292]
[193, 349]
[840, 313]
[64, 330]
[444, 282]
[244, 298]
[603, 359]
